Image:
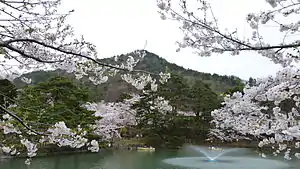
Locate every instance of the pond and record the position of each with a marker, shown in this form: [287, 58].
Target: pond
[120, 160]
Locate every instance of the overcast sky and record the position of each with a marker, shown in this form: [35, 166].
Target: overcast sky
[119, 26]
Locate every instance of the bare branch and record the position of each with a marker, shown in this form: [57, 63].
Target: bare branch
[15, 8]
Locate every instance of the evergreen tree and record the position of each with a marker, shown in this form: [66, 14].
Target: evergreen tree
[202, 99]
[176, 91]
[57, 99]
[8, 92]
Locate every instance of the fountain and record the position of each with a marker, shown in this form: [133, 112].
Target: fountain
[213, 153]
[221, 158]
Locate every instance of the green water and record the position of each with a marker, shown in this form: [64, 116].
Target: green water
[105, 160]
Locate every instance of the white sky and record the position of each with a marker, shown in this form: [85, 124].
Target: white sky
[122, 26]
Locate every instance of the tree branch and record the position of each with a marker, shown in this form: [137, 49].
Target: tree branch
[201, 24]
[15, 8]
[280, 47]
[6, 44]
[4, 110]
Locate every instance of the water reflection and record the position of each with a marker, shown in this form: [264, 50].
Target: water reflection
[103, 160]
[227, 162]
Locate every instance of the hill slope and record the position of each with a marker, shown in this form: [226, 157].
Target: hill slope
[111, 90]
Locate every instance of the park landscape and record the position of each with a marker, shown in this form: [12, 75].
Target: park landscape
[63, 106]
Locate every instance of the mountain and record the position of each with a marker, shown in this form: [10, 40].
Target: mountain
[111, 90]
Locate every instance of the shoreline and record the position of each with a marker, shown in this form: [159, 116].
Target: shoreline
[133, 147]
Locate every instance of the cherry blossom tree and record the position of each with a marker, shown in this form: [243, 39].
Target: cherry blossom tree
[34, 35]
[114, 116]
[268, 111]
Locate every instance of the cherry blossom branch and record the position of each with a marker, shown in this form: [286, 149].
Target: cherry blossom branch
[4, 110]
[295, 45]
[8, 42]
[202, 24]
[202, 33]
[268, 110]
[247, 46]
[22, 53]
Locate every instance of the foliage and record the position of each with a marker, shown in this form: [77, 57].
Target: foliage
[176, 91]
[268, 109]
[115, 86]
[239, 88]
[169, 128]
[34, 36]
[155, 64]
[252, 82]
[37, 40]
[203, 100]
[151, 121]
[57, 99]
[8, 92]
[235, 89]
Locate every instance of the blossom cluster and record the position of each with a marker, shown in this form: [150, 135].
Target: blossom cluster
[35, 36]
[37, 40]
[114, 116]
[41, 40]
[268, 112]
[202, 32]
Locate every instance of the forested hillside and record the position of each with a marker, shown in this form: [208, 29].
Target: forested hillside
[151, 62]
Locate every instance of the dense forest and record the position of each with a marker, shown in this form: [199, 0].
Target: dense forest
[112, 90]
[193, 93]
[54, 96]
[185, 117]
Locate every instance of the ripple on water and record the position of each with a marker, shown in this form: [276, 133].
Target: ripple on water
[227, 162]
